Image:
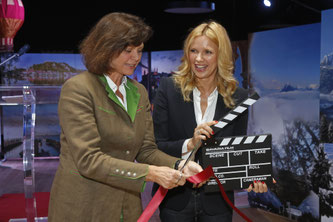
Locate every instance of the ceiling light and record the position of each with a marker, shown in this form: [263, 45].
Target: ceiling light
[190, 7]
[267, 3]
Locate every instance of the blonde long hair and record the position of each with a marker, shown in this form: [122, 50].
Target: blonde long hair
[226, 83]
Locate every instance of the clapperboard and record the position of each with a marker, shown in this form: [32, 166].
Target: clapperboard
[238, 161]
[232, 114]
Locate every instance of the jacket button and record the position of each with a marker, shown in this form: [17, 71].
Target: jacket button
[127, 152]
[134, 174]
[129, 174]
[117, 170]
[122, 172]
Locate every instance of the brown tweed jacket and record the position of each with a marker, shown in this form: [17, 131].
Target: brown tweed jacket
[98, 178]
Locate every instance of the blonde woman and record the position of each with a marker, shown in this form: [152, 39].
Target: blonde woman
[186, 105]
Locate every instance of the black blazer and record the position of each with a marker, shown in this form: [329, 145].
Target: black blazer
[174, 122]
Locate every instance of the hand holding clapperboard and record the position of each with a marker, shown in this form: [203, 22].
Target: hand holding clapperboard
[244, 159]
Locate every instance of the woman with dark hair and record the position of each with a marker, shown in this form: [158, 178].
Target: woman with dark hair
[108, 151]
[185, 107]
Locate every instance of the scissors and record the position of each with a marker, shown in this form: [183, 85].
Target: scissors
[192, 154]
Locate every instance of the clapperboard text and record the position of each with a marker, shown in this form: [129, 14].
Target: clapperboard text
[238, 161]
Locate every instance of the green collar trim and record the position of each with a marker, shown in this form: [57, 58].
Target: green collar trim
[111, 94]
[132, 97]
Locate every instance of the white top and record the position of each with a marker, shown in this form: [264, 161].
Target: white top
[207, 117]
[122, 89]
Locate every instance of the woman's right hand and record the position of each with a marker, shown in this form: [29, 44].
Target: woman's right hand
[165, 176]
[201, 132]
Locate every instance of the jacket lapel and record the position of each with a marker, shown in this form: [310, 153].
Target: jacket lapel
[111, 94]
[189, 117]
[221, 109]
[132, 97]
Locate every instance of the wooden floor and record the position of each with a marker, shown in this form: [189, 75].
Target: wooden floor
[11, 181]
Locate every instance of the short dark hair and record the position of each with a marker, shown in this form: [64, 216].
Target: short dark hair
[109, 37]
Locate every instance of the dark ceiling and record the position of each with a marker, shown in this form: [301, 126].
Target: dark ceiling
[59, 26]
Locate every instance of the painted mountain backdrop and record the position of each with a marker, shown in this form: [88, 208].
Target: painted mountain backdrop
[55, 67]
[326, 74]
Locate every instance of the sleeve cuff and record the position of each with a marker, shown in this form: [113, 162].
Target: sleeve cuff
[185, 153]
[144, 182]
[143, 186]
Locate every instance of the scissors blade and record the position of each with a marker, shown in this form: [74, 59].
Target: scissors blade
[190, 157]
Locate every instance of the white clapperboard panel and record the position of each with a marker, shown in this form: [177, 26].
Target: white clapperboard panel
[238, 161]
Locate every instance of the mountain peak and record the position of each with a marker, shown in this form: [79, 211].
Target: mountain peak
[327, 60]
[54, 66]
[287, 88]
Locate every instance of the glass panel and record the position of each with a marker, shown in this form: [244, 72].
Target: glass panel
[26, 98]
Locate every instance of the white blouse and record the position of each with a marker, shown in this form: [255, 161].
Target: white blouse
[122, 89]
[208, 115]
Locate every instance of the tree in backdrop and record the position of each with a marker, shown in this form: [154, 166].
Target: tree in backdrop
[330, 132]
[298, 146]
[323, 128]
[326, 129]
[304, 164]
[294, 157]
[322, 180]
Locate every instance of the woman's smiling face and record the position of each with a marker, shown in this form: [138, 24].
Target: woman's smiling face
[203, 57]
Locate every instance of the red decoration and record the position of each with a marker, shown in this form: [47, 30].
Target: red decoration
[11, 20]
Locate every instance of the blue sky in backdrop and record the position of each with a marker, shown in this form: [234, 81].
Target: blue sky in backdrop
[280, 55]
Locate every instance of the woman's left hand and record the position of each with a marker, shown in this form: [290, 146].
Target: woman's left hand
[258, 187]
[190, 169]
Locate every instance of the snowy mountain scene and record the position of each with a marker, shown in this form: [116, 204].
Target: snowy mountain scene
[285, 72]
[271, 112]
[324, 166]
[326, 79]
[287, 113]
[326, 95]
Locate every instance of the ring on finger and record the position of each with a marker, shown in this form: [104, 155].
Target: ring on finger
[199, 131]
[180, 177]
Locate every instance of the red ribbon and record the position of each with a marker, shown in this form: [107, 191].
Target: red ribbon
[153, 204]
[198, 178]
